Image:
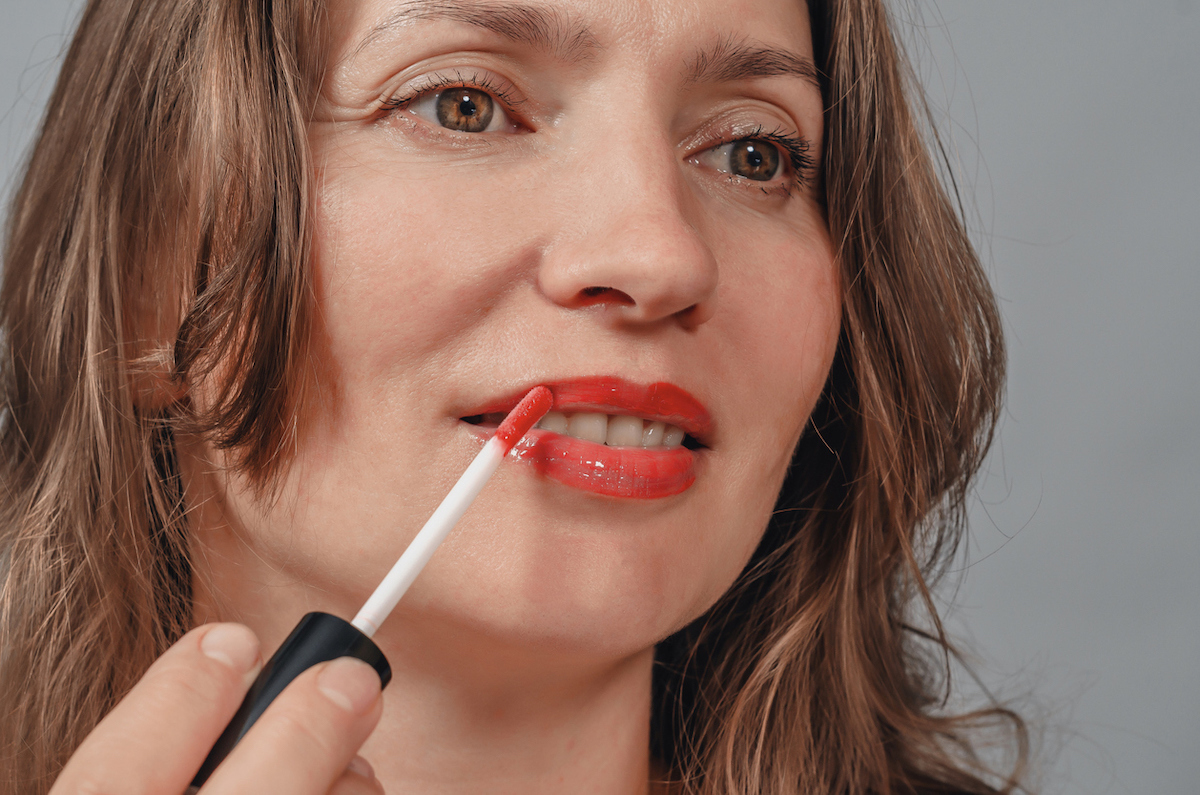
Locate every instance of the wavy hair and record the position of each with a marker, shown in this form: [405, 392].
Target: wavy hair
[161, 233]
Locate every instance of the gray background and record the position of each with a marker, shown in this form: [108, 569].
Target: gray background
[1075, 127]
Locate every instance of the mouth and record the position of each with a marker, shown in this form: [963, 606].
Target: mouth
[612, 437]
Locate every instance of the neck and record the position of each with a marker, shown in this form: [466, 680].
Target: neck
[465, 714]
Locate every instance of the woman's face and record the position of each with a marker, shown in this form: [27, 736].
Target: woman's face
[597, 195]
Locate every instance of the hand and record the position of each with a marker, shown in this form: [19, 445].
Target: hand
[154, 741]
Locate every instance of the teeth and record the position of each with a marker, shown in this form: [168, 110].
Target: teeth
[617, 430]
[624, 431]
[653, 435]
[554, 421]
[589, 427]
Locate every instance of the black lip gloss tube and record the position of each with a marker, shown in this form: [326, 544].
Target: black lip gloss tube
[318, 638]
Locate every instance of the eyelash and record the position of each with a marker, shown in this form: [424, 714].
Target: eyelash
[439, 82]
[795, 148]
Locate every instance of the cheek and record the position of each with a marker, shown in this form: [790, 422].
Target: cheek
[406, 268]
[796, 337]
[781, 315]
[773, 340]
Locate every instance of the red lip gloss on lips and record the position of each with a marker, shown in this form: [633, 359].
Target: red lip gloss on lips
[611, 471]
[617, 471]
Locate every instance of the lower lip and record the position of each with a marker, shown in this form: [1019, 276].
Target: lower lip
[629, 472]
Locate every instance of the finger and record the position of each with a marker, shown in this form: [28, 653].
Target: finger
[304, 741]
[157, 736]
[358, 779]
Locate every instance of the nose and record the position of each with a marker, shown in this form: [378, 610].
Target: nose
[626, 241]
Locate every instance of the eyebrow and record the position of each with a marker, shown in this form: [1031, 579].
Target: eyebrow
[550, 29]
[728, 61]
[545, 28]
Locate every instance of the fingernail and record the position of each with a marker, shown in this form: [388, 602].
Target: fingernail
[351, 684]
[231, 644]
[361, 767]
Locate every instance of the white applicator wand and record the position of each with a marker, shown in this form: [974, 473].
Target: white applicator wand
[322, 636]
[518, 422]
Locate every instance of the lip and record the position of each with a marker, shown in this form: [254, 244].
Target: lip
[626, 472]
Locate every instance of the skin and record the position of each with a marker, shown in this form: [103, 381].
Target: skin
[451, 269]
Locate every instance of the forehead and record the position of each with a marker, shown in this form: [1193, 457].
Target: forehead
[697, 33]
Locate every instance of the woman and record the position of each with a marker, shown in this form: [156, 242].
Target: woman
[274, 266]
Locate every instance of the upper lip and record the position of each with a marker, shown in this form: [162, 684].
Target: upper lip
[659, 401]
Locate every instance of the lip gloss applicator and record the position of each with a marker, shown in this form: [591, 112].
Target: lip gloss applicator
[320, 637]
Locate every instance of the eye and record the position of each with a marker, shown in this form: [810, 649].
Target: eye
[779, 157]
[750, 158]
[461, 102]
[460, 109]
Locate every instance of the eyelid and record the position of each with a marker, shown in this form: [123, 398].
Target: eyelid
[502, 90]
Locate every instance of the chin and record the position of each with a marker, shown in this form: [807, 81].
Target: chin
[601, 589]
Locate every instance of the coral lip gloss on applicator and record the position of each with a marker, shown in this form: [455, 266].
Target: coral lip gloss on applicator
[320, 637]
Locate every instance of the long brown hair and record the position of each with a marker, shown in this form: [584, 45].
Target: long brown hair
[161, 230]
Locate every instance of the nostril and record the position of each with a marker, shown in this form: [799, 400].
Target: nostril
[604, 295]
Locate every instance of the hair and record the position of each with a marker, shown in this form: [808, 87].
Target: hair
[161, 234]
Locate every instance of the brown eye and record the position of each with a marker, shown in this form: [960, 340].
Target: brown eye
[757, 160]
[465, 109]
[461, 109]
[749, 158]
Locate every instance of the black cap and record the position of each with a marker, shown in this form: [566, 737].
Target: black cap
[318, 637]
